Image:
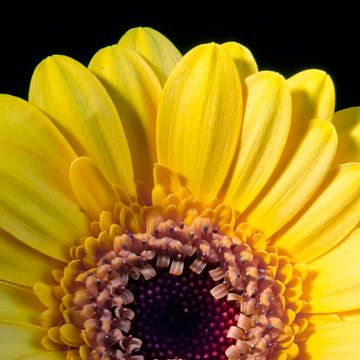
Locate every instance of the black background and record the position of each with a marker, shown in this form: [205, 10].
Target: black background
[286, 38]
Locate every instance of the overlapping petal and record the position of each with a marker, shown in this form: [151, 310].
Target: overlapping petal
[243, 58]
[313, 96]
[263, 136]
[35, 205]
[347, 124]
[23, 125]
[135, 91]
[18, 304]
[16, 266]
[81, 108]
[92, 189]
[296, 179]
[199, 119]
[332, 341]
[333, 212]
[155, 48]
[334, 282]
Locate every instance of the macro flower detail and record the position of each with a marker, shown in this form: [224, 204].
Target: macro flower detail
[155, 206]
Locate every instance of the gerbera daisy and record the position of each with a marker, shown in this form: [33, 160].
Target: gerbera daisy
[155, 206]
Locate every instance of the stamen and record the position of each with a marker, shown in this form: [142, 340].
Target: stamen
[198, 266]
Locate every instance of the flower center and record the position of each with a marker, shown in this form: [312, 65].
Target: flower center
[190, 323]
[191, 284]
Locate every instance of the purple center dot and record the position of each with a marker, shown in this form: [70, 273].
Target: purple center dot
[176, 317]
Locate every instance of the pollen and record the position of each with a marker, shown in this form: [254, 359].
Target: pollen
[177, 279]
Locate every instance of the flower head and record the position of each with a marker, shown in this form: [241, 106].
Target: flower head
[155, 206]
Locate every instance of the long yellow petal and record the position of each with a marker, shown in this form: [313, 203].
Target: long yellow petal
[333, 212]
[34, 203]
[92, 189]
[154, 47]
[335, 281]
[135, 91]
[199, 119]
[18, 304]
[313, 96]
[16, 267]
[81, 108]
[244, 60]
[264, 132]
[353, 315]
[23, 125]
[321, 319]
[19, 339]
[333, 341]
[46, 355]
[347, 124]
[297, 179]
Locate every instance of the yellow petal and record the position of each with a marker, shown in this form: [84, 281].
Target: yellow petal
[263, 136]
[22, 124]
[333, 341]
[298, 177]
[313, 96]
[244, 60]
[18, 304]
[92, 189]
[46, 355]
[135, 91]
[44, 292]
[34, 203]
[327, 219]
[70, 334]
[199, 119]
[163, 176]
[347, 124]
[16, 267]
[81, 108]
[19, 339]
[335, 281]
[353, 315]
[321, 319]
[155, 48]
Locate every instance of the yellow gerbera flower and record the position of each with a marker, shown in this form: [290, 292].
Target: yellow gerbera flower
[155, 206]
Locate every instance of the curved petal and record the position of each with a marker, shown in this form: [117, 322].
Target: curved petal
[18, 304]
[92, 189]
[243, 58]
[81, 108]
[199, 119]
[23, 125]
[347, 124]
[45, 294]
[313, 96]
[296, 180]
[331, 215]
[135, 91]
[332, 341]
[334, 284]
[263, 136]
[154, 47]
[34, 203]
[16, 266]
[19, 339]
